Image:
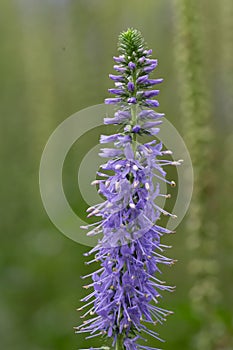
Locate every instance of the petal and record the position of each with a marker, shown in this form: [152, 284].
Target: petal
[109, 101]
[129, 152]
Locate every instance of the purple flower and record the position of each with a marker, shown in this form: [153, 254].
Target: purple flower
[151, 103]
[150, 68]
[130, 86]
[154, 62]
[116, 91]
[149, 113]
[152, 82]
[110, 152]
[151, 93]
[149, 125]
[132, 65]
[132, 100]
[136, 128]
[120, 139]
[119, 59]
[116, 77]
[126, 289]
[141, 59]
[123, 139]
[119, 69]
[119, 117]
[110, 138]
[154, 131]
[113, 101]
[147, 52]
[142, 79]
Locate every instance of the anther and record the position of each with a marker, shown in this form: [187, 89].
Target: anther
[167, 152]
[132, 205]
[118, 166]
[136, 183]
[95, 182]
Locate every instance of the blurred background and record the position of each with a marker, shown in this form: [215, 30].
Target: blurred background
[55, 57]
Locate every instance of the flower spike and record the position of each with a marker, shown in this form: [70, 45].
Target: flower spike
[125, 290]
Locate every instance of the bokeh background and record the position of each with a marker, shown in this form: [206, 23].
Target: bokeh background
[55, 56]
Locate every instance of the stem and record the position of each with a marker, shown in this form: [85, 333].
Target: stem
[134, 114]
[119, 343]
[134, 122]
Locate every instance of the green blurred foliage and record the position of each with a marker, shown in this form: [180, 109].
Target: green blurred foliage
[55, 56]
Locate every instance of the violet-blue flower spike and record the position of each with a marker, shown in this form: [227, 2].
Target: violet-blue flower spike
[126, 289]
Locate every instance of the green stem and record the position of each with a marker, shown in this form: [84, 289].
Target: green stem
[119, 343]
[134, 122]
[134, 114]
